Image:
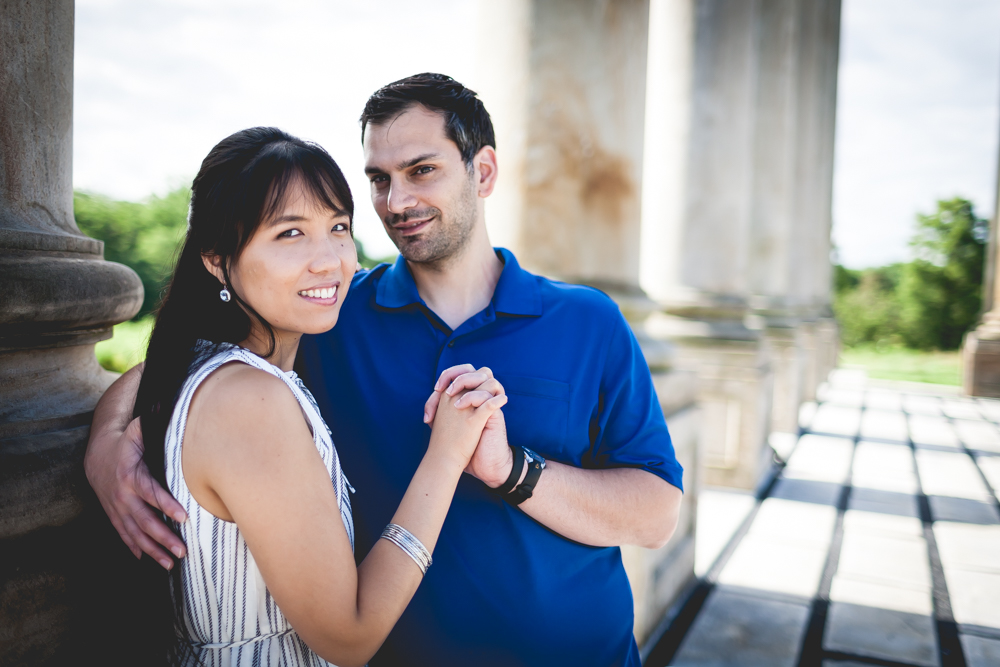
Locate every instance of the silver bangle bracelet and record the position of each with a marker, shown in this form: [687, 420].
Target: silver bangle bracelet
[410, 545]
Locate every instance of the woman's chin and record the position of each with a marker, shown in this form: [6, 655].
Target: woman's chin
[320, 326]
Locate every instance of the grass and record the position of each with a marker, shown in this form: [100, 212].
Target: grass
[127, 347]
[900, 363]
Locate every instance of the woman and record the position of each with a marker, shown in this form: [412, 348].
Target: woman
[270, 576]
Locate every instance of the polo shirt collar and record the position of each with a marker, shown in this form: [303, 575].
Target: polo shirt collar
[517, 292]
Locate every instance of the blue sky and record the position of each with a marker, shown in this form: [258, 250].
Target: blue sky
[917, 119]
[158, 83]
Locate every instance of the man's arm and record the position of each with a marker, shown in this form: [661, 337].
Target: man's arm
[603, 508]
[121, 480]
[609, 507]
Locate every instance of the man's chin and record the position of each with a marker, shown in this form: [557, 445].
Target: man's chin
[415, 250]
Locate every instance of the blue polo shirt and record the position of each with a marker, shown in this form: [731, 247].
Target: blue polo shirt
[504, 590]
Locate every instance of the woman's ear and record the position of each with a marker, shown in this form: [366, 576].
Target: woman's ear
[213, 263]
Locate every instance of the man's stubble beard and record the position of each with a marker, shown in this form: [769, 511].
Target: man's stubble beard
[436, 249]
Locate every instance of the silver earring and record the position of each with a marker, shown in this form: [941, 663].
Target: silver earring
[224, 295]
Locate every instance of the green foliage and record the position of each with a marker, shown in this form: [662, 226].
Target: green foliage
[928, 303]
[941, 290]
[127, 346]
[867, 307]
[370, 262]
[144, 236]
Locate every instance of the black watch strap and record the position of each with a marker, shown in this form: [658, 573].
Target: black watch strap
[515, 471]
[527, 487]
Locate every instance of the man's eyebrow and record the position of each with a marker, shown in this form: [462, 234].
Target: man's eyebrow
[404, 165]
[416, 160]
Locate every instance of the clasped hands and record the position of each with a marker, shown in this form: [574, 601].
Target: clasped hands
[492, 459]
[129, 493]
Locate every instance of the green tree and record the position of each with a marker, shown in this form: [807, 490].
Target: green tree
[866, 304]
[144, 236]
[940, 292]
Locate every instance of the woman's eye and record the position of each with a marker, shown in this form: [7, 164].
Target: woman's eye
[289, 233]
[341, 227]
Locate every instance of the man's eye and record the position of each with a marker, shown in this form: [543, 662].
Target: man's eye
[380, 178]
[289, 233]
[425, 169]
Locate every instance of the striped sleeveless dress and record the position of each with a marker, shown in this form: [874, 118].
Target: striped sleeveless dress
[230, 616]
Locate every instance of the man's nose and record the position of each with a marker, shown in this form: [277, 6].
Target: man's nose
[400, 198]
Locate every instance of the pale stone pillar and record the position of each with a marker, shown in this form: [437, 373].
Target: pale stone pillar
[819, 59]
[58, 298]
[564, 81]
[698, 221]
[775, 236]
[793, 177]
[981, 347]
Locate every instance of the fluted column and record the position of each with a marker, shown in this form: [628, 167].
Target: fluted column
[793, 177]
[564, 81]
[698, 221]
[981, 347]
[812, 269]
[58, 298]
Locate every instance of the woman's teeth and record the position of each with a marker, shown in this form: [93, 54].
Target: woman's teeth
[325, 293]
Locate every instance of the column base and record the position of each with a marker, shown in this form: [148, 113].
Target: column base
[735, 382]
[981, 364]
[788, 360]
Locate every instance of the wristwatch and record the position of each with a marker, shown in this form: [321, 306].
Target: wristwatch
[536, 464]
[515, 472]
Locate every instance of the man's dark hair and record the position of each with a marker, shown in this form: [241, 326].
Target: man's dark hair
[466, 121]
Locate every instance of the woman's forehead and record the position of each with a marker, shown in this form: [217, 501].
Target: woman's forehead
[299, 198]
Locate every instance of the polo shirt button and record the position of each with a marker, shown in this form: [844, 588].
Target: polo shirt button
[451, 343]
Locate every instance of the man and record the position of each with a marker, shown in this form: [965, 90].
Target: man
[527, 569]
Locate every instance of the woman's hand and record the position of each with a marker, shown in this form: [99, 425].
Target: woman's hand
[461, 378]
[460, 413]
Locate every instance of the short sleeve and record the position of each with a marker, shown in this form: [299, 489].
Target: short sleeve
[628, 429]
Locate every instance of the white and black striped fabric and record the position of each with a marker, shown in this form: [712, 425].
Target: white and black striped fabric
[230, 616]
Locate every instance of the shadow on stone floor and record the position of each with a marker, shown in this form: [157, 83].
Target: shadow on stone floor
[877, 542]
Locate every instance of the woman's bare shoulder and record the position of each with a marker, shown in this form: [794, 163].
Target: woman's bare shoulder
[239, 405]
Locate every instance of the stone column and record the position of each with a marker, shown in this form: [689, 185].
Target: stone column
[793, 176]
[775, 238]
[820, 53]
[698, 222]
[59, 297]
[981, 347]
[564, 81]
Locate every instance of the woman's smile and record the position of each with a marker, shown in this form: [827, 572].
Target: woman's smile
[324, 295]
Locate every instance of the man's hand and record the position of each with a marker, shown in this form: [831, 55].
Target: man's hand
[116, 471]
[492, 461]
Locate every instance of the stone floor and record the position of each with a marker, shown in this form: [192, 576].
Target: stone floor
[877, 543]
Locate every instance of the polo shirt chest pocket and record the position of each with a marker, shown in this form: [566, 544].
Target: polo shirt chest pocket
[537, 413]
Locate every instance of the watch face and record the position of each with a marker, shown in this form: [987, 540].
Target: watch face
[533, 456]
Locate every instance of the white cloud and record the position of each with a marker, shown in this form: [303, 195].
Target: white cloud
[917, 118]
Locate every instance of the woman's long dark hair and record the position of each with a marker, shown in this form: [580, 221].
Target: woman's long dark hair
[241, 183]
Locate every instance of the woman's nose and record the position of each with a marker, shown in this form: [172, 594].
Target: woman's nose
[327, 257]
